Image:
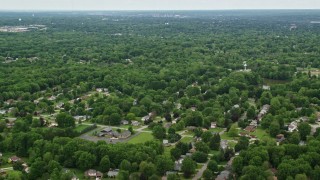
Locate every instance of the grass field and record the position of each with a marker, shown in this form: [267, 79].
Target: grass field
[141, 138]
[81, 127]
[262, 134]
[186, 139]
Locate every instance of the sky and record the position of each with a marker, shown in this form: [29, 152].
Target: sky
[156, 4]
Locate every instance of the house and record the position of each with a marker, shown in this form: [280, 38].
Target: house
[292, 126]
[165, 142]
[254, 123]
[318, 116]
[191, 128]
[125, 134]
[135, 123]
[146, 118]
[223, 144]
[25, 167]
[224, 175]
[263, 111]
[14, 159]
[213, 125]
[79, 118]
[107, 130]
[93, 174]
[124, 122]
[2, 112]
[178, 164]
[250, 128]
[113, 173]
[265, 87]
[280, 138]
[0, 154]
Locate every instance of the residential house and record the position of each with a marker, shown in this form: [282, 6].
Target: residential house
[263, 111]
[254, 123]
[26, 167]
[113, 173]
[213, 125]
[2, 112]
[165, 142]
[178, 164]
[224, 175]
[250, 128]
[124, 134]
[14, 159]
[224, 144]
[135, 123]
[124, 122]
[265, 87]
[318, 116]
[93, 174]
[293, 126]
[280, 138]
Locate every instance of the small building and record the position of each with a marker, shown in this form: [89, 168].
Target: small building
[93, 174]
[292, 126]
[124, 122]
[265, 87]
[14, 159]
[124, 134]
[280, 137]
[213, 125]
[113, 173]
[178, 164]
[224, 175]
[250, 128]
[165, 142]
[107, 130]
[263, 111]
[135, 123]
[223, 144]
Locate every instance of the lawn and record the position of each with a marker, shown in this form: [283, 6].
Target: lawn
[167, 150]
[225, 136]
[186, 139]
[81, 127]
[262, 134]
[216, 130]
[141, 138]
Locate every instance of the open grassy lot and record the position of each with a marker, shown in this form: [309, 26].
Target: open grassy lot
[186, 139]
[141, 138]
[81, 127]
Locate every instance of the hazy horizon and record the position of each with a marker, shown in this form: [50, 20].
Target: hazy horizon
[136, 5]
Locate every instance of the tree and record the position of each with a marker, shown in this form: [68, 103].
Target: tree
[125, 165]
[65, 120]
[243, 143]
[274, 128]
[188, 167]
[105, 163]
[233, 131]
[17, 166]
[304, 130]
[147, 169]
[251, 112]
[37, 169]
[163, 164]
[213, 166]
[200, 157]
[115, 119]
[159, 132]
[175, 153]
[215, 142]
[294, 138]
[14, 175]
[206, 136]
[207, 175]
[84, 160]
[201, 146]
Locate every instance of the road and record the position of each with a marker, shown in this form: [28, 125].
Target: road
[200, 172]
